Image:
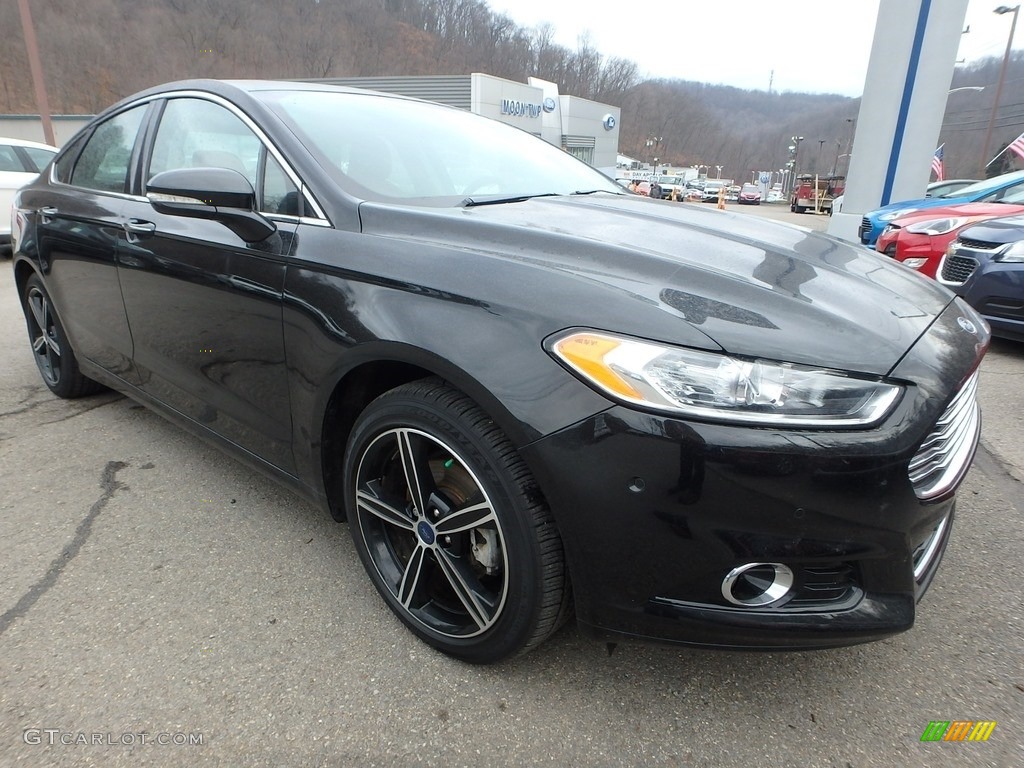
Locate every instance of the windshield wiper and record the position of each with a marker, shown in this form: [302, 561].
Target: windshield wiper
[472, 202]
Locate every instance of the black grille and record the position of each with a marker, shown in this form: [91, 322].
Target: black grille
[1001, 306]
[826, 584]
[978, 245]
[956, 269]
[865, 227]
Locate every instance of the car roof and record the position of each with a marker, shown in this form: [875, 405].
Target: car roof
[26, 143]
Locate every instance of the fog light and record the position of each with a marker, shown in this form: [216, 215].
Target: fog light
[915, 263]
[756, 585]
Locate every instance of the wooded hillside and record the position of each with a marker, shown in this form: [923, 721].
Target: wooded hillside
[97, 51]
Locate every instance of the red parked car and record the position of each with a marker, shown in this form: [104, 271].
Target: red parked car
[920, 239]
[750, 195]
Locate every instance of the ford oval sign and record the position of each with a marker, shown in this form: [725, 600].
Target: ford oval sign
[608, 122]
[967, 325]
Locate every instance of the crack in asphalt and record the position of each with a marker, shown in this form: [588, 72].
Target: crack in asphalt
[110, 485]
[82, 411]
[38, 403]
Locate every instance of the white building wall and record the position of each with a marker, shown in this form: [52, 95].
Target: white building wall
[585, 118]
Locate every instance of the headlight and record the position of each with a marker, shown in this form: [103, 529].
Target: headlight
[936, 226]
[1012, 255]
[723, 388]
[896, 214]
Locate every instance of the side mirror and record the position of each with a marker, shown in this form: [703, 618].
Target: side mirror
[219, 194]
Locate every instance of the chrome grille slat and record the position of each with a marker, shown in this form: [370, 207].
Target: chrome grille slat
[956, 268]
[943, 457]
[947, 424]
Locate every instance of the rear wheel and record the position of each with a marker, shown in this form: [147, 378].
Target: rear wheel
[450, 526]
[50, 347]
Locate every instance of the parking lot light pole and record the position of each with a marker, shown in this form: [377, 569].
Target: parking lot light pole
[999, 85]
[36, 68]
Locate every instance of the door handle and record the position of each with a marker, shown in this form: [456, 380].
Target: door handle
[46, 213]
[138, 228]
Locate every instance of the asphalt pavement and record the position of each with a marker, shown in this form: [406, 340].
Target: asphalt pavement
[163, 605]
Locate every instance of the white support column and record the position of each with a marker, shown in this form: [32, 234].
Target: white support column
[904, 101]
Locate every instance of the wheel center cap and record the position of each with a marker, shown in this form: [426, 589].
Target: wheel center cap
[426, 532]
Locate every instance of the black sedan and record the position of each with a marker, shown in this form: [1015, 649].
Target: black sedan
[985, 265]
[531, 394]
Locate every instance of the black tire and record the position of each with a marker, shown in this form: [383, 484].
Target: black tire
[50, 346]
[450, 525]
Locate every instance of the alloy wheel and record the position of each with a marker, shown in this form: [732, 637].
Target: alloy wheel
[43, 336]
[431, 533]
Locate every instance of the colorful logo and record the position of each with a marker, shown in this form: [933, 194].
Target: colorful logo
[958, 730]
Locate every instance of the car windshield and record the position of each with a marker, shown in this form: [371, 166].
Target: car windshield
[986, 185]
[1013, 198]
[385, 148]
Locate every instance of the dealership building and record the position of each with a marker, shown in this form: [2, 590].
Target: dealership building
[583, 128]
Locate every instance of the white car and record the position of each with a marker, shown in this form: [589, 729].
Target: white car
[20, 162]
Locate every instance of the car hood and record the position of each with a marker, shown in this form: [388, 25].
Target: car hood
[1008, 230]
[916, 205]
[752, 286]
[965, 210]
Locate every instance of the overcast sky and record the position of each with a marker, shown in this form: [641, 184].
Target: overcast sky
[820, 46]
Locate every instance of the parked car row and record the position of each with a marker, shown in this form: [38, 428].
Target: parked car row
[974, 248]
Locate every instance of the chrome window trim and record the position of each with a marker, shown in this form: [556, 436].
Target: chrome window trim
[320, 219]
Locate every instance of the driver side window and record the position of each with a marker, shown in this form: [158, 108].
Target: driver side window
[195, 133]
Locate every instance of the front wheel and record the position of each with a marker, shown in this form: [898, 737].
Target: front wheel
[450, 525]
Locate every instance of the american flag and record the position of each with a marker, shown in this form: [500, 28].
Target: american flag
[1017, 145]
[937, 168]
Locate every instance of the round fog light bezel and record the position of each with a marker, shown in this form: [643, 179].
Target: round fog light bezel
[782, 580]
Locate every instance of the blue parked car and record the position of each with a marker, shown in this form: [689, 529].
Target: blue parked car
[986, 190]
[985, 265]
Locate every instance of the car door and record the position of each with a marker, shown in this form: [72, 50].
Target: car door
[204, 306]
[80, 216]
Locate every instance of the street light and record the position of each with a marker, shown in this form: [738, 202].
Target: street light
[794, 154]
[718, 169]
[652, 145]
[999, 86]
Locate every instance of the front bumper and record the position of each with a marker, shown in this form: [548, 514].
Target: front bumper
[997, 293]
[655, 513]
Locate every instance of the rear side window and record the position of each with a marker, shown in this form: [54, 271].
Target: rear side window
[39, 157]
[66, 162]
[9, 159]
[103, 163]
